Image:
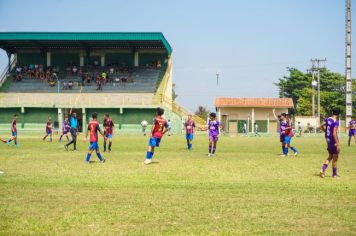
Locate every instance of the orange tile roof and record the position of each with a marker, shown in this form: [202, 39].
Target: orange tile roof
[254, 102]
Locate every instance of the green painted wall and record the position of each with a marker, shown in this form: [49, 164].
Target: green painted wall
[39, 115]
[119, 59]
[148, 58]
[62, 59]
[31, 58]
[129, 116]
[7, 114]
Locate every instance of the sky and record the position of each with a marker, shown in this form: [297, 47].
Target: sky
[249, 43]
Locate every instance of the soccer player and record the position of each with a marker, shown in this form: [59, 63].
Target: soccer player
[65, 129]
[159, 128]
[109, 130]
[288, 135]
[48, 130]
[189, 129]
[144, 124]
[330, 127]
[73, 122]
[214, 130]
[94, 128]
[13, 131]
[283, 124]
[352, 129]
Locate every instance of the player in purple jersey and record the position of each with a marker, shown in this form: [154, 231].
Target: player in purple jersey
[285, 133]
[65, 129]
[330, 127]
[214, 130]
[189, 126]
[352, 129]
[48, 130]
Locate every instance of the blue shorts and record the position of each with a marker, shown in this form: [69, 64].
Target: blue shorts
[287, 139]
[154, 142]
[48, 132]
[94, 146]
[189, 136]
[108, 136]
[14, 134]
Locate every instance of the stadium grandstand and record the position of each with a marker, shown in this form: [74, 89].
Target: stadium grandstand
[127, 75]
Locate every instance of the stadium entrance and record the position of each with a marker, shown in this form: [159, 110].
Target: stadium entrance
[65, 112]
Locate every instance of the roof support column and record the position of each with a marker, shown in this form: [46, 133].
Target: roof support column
[253, 120]
[9, 61]
[102, 60]
[49, 58]
[136, 59]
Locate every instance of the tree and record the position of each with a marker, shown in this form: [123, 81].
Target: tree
[202, 112]
[297, 85]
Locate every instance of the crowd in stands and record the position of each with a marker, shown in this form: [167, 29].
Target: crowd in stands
[86, 76]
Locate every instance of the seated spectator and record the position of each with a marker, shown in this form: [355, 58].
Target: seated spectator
[159, 65]
[111, 72]
[74, 70]
[52, 83]
[70, 84]
[18, 70]
[65, 86]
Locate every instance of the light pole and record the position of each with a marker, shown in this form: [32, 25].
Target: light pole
[314, 85]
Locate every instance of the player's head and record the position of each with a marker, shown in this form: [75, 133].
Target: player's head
[190, 116]
[336, 111]
[284, 116]
[74, 114]
[94, 116]
[212, 116]
[16, 116]
[106, 115]
[159, 111]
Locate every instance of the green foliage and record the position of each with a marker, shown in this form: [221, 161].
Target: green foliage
[202, 112]
[297, 85]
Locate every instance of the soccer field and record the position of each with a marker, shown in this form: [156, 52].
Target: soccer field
[246, 189]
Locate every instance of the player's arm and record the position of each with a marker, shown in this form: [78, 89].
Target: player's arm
[323, 127]
[166, 127]
[336, 138]
[153, 127]
[274, 113]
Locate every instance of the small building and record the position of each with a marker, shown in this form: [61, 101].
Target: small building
[235, 112]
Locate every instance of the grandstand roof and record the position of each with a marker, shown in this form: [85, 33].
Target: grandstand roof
[254, 102]
[10, 41]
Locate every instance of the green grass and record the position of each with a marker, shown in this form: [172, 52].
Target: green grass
[245, 189]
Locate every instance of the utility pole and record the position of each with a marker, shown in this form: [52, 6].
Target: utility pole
[317, 65]
[348, 63]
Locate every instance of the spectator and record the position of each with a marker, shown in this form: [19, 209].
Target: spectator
[74, 70]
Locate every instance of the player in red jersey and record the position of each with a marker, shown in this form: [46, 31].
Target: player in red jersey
[109, 130]
[93, 129]
[189, 128]
[159, 128]
[13, 131]
[48, 130]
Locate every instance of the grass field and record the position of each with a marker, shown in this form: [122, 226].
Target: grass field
[245, 189]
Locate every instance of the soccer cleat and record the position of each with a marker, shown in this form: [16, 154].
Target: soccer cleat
[209, 155]
[296, 154]
[212, 155]
[284, 155]
[87, 162]
[322, 174]
[147, 161]
[336, 176]
[66, 147]
[7, 142]
[103, 160]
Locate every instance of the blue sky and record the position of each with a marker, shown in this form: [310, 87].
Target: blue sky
[250, 43]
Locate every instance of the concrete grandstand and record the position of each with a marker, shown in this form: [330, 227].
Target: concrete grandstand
[127, 75]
